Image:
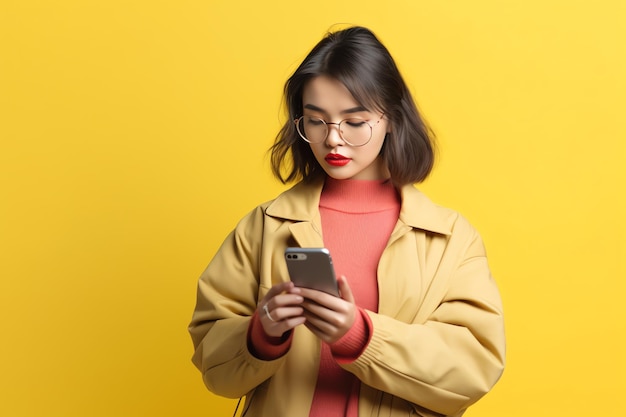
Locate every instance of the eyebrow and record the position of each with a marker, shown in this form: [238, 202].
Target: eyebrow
[356, 109]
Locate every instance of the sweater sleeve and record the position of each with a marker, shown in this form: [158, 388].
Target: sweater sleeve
[352, 344]
[266, 347]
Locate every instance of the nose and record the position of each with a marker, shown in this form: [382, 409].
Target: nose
[333, 138]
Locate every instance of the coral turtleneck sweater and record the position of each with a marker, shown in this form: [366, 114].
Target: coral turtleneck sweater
[358, 217]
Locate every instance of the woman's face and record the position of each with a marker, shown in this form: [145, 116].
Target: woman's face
[328, 99]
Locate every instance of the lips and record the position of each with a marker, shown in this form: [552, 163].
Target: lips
[337, 160]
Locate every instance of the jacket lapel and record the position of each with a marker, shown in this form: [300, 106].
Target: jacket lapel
[300, 206]
[307, 235]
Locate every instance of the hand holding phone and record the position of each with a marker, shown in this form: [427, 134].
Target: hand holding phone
[329, 318]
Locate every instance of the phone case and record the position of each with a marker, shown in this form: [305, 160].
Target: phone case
[312, 268]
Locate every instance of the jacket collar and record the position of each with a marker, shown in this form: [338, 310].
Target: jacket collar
[419, 212]
[301, 203]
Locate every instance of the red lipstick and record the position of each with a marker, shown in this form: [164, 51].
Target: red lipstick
[336, 160]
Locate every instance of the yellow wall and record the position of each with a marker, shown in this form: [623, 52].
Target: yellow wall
[132, 138]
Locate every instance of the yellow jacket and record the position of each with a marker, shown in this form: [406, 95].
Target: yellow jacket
[438, 337]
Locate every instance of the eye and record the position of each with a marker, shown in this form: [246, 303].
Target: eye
[314, 121]
[355, 122]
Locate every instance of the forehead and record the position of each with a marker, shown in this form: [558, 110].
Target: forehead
[328, 94]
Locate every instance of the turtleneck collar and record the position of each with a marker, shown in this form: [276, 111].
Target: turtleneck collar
[359, 196]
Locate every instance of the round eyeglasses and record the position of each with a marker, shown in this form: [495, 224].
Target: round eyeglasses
[353, 131]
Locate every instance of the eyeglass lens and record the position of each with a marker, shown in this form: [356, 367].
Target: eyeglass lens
[352, 131]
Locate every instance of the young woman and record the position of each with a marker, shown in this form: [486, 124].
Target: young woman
[418, 328]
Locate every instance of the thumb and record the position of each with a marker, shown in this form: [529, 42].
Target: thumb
[344, 289]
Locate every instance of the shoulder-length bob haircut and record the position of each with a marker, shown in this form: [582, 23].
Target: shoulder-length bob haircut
[357, 59]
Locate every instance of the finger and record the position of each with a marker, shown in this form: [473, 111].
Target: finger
[320, 297]
[326, 307]
[279, 288]
[329, 321]
[271, 299]
[344, 289]
[280, 307]
[283, 313]
[322, 330]
[285, 300]
[277, 322]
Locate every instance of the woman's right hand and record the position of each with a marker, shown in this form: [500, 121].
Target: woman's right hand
[281, 310]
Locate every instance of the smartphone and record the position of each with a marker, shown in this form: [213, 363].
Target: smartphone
[312, 268]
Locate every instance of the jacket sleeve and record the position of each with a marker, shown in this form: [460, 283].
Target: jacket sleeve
[227, 296]
[453, 352]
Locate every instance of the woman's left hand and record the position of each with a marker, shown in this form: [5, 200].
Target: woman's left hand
[327, 316]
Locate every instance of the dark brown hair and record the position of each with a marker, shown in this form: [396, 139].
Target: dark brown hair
[357, 59]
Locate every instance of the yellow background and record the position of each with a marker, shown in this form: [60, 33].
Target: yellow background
[133, 137]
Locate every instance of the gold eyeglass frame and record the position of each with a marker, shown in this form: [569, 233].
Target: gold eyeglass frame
[338, 124]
